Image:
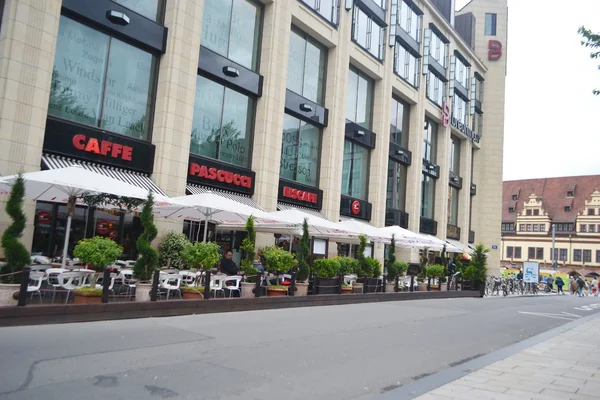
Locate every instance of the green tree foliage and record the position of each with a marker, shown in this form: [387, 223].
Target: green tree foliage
[326, 268]
[363, 269]
[304, 254]
[478, 265]
[98, 252]
[435, 271]
[170, 248]
[348, 265]
[148, 260]
[279, 261]
[396, 269]
[15, 252]
[591, 40]
[391, 256]
[372, 267]
[248, 247]
[202, 255]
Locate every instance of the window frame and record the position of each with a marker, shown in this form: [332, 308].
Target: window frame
[577, 255]
[407, 59]
[492, 24]
[380, 56]
[318, 166]
[518, 252]
[335, 11]
[309, 39]
[351, 171]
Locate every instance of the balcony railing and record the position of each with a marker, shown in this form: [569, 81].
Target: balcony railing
[428, 225]
[396, 217]
[453, 232]
[471, 236]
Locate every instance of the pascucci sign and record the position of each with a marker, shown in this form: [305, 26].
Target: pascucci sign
[465, 129]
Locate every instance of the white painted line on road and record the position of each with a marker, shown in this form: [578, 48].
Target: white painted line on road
[548, 315]
[588, 307]
[568, 313]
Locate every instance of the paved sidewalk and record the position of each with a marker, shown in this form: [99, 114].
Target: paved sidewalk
[564, 367]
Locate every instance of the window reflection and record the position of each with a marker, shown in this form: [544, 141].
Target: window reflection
[359, 100]
[396, 186]
[355, 170]
[406, 65]
[300, 151]
[306, 66]
[399, 122]
[367, 33]
[436, 89]
[148, 8]
[427, 196]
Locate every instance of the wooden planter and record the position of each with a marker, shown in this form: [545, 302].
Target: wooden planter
[192, 295]
[390, 287]
[87, 298]
[276, 292]
[422, 287]
[346, 290]
[434, 288]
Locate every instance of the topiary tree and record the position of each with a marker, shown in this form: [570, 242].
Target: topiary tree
[202, 255]
[391, 257]
[326, 268]
[434, 271]
[170, 248]
[98, 252]
[373, 267]
[279, 261]
[17, 256]
[478, 264]
[348, 265]
[360, 256]
[248, 247]
[148, 260]
[304, 254]
[396, 269]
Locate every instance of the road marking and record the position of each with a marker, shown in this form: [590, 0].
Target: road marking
[575, 315]
[588, 307]
[550, 315]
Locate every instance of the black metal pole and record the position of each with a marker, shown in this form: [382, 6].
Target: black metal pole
[105, 284]
[292, 290]
[396, 288]
[366, 285]
[383, 288]
[23, 287]
[429, 284]
[340, 283]
[154, 290]
[207, 285]
[412, 283]
[257, 288]
[315, 285]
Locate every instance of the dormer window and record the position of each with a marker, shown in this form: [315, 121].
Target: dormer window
[570, 193]
[583, 228]
[515, 197]
[528, 212]
[567, 208]
[591, 211]
[536, 212]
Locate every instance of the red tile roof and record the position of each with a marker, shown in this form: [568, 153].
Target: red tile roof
[553, 194]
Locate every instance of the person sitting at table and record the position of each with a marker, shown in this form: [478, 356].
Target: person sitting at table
[258, 265]
[228, 266]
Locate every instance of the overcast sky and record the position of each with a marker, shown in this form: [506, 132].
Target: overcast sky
[552, 125]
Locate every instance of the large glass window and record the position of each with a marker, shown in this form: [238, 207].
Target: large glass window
[148, 8]
[478, 90]
[367, 33]
[427, 196]
[359, 99]
[477, 125]
[436, 89]
[355, 171]
[459, 109]
[430, 141]
[101, 81]
[231, 28]
[406, 65]
[222, 124]
[328, 9]
[306, 66]
[461, 73]
[455, 155]
[438, 49]
[409, 20]
[396, 186]
[399, 122]
[490, 24]
[300, 151]
[453, 206]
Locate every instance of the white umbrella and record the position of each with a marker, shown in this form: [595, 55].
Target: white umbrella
[210, 206]
[67, 185]
[404, 236]
[362, 228]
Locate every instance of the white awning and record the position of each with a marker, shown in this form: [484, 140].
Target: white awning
[246, 200]
[311, 211]
[458, 245]
[133, 178]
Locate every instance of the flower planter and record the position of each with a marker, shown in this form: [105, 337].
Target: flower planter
[390, 286]
[434, 288]
[6, 294]
[87, 298]
[422, 287]
[444, 287]
[346, 290]
[301, 289]
[247, 289]
[276, 292]
[142, 291]
[192, 295]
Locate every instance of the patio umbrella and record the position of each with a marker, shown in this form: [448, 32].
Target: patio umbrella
[211, 207]
[592, 275]
[67, 185]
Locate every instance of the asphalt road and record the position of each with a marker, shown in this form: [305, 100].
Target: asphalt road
[342, 352]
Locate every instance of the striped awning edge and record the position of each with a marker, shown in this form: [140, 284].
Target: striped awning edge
[52, 161]
[246, 200]
[285, 206]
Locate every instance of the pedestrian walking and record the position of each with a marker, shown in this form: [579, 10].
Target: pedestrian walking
[580, 286]
[572, 285]
[559, 285]
[594, 287]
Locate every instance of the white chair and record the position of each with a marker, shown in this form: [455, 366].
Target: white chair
[70, 281]
[52, 279]
[170, 283]
[35, 283]
[350, 279]
[188, 278]
[216, 284]
[125, 276]
[235, 286]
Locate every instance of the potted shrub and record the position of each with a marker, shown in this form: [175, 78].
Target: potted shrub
[248, 249]
[15, 252]
[327, 271]
[395, 270]
[147, 261]
[478, 267]
[347, 266]
[200, 255]
[435, 271]
[303, 256]
[192, 292]
[279, 261]
[97, 252]
[170, 248]
[372, 271]
[360, 268]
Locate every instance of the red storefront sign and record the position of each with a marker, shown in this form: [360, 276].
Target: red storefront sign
[44, 217]
[102, 147]
[220, 175]
[494, 50]
[300, 195]
[355, 208]
[445, 114]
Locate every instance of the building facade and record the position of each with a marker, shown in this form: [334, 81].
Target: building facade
[390, 111]
[538, 212]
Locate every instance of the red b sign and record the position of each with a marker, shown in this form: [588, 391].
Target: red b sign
[494, 50]
[445, 114]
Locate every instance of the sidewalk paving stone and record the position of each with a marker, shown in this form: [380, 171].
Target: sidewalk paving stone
[563, 367]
